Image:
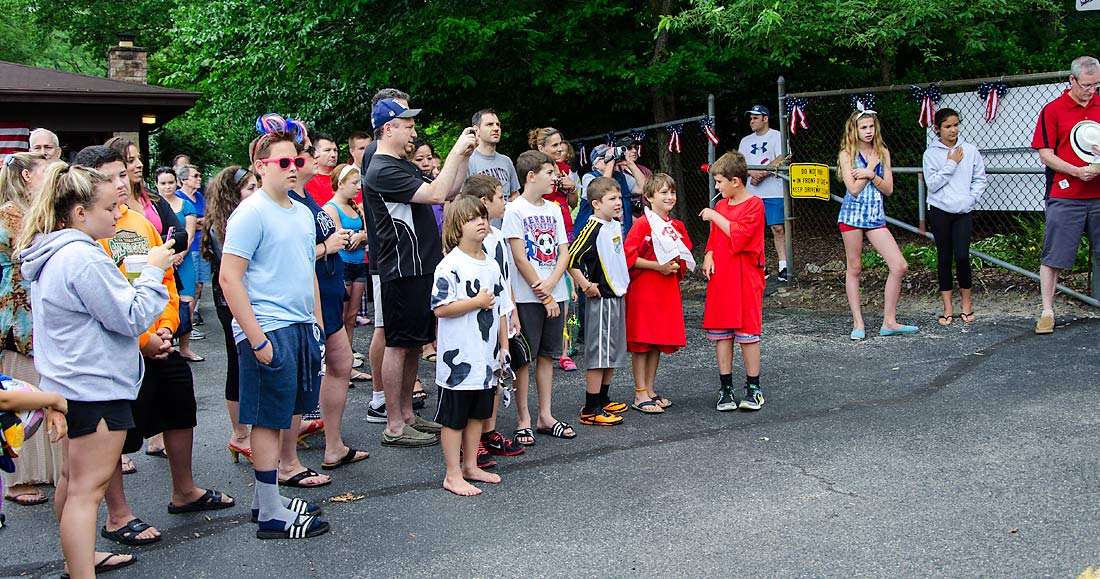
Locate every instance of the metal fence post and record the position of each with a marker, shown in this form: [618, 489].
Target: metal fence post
[710, 151]
[922, 207]
[788, 238]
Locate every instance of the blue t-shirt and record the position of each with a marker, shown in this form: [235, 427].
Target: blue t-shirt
[329, 268]
[198, 206]
[278, 243]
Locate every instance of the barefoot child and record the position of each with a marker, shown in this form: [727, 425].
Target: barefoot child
[658, 250]
[540, 249]
[598, 268]
[87, 320]
[469, 299]
[489, 191]
[734, 268]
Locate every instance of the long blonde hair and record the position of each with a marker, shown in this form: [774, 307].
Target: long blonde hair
[12, 187]
[849, 142]
[65, 188]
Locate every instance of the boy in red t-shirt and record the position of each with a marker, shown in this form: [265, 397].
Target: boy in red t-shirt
[734, 268]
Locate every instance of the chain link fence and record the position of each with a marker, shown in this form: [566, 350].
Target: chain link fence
[1008, 219]
[691, 149]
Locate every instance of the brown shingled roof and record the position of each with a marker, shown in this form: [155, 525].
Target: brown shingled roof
[21, 83]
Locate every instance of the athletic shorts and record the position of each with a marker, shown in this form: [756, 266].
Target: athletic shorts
[83, 418]
[773, 211]
[1066, 221]
[202, 267]
[407, 307]
[739, 337]
[543, 334]
[272, 394]
[376, 282]
[457, 407]
[166, 400]
[355, 273]
[605, 333]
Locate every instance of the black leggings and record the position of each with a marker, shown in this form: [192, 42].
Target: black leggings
[232, 370]
[952, 233]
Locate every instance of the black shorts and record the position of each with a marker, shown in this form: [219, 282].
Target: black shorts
[456, 407]
[84, 417]
[544, 335]
[407, 308]
[166, 400]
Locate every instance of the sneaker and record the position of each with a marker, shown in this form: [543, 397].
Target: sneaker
[567, 364]
[1045, 325]
[484, 459]
[376, 415]
[198, 319]
[362, 321]
[754, 399]
[601, 418]
[197, 335]
[727, 401]
[409, 438]
[782, 275]
[501, 445]
[615, 407]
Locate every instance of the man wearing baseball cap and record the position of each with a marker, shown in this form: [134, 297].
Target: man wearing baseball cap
[1072, 188]
[761, 147]
[406, 249]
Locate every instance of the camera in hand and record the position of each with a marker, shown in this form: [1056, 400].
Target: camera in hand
[615, 154]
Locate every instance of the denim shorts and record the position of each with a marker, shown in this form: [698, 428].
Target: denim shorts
[290, 385]
[355, 273]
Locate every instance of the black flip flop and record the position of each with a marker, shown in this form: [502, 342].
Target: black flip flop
[103, 567]
[347, 459]
[211, 500]
[296, 480]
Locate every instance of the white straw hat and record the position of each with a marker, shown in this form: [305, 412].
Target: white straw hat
[1082, 137]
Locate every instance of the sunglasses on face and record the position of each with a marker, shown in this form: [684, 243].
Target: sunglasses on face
[284, 162]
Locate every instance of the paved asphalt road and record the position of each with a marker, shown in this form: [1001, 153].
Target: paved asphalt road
[968, 451]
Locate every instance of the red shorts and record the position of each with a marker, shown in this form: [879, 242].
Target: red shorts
[844, 227]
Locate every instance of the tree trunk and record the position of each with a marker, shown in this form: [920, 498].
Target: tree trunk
[883, 64]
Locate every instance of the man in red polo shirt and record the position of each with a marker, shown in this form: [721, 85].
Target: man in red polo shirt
[1072, 189]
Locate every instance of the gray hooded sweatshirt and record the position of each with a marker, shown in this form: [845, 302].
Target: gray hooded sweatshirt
[87, 318]
[954, 187]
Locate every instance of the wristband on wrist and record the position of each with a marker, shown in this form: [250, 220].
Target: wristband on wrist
[261, 346]
[548, 301]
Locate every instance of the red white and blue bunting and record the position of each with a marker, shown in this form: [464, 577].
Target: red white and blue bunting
[992, 93]
[582, 153]
[674, 137]
[864, 103]
[927, 97]
[796, 111]
[707, 124]
[638, 137]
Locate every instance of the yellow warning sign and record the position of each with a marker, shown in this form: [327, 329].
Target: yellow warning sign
[809, 181]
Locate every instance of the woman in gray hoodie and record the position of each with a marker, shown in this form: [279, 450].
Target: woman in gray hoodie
[87, 320]
[955, 174]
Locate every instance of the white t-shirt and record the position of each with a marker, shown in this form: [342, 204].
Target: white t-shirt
[542, 231]
[497, 248]
[468, 346]
[763, 150]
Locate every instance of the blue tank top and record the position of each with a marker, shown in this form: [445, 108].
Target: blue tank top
[355, 225]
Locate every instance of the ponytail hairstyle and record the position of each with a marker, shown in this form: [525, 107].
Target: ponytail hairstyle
[66, 188]
[537, 137]
[12, 187]
[223, 194]
[457, 213]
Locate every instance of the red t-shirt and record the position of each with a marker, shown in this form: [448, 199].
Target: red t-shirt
[320, 188]
[1052, 132]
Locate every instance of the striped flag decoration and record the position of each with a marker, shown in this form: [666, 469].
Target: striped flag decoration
[14, 137]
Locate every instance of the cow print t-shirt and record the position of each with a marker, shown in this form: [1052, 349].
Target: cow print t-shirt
[468, 346]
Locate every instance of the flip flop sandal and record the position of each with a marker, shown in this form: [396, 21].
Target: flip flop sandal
[361, 377]
[211, 500]
[103, 567]
[303, 527]
[558, 430]
[963, 316]
[945, 320]
[34, 498]
[161, 453]
[350, 457]
[128, 466]
[429, 357]
[127, 534]
[661, 401]
[648, 407]
[419, 399]
[296, 480]
[522, 434]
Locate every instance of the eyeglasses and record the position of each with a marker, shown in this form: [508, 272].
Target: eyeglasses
[1090, 86]
[284, 162]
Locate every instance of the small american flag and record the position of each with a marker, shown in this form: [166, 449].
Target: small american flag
[14, 137]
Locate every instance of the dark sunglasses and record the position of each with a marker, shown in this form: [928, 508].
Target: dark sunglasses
[284, 162]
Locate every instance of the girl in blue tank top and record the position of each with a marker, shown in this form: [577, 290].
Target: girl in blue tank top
[344, 209]
[864, 166]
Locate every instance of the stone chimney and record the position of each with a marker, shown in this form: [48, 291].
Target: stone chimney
[126, 61]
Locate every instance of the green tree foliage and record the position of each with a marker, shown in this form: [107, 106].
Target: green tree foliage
[24, 41]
